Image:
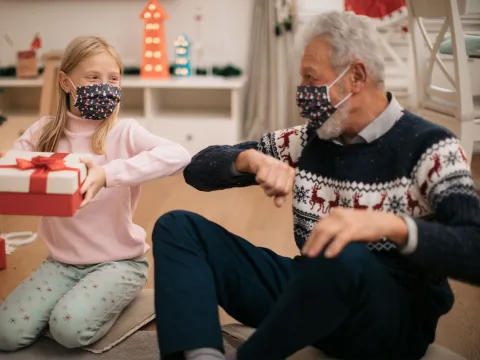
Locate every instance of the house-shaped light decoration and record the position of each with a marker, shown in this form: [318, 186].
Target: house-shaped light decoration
[154, 57]
[183, 65]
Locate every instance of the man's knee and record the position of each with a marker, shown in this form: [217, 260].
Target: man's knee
[168, 223]
[175, 227]
[346, 271]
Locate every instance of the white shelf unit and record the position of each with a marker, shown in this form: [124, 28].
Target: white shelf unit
[195, 111]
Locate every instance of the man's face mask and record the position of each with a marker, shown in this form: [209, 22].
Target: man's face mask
[97, 101]
[315, 104]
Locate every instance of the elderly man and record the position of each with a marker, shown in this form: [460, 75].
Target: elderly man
[371, 280]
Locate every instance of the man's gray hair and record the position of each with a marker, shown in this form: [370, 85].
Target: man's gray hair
[352, 37]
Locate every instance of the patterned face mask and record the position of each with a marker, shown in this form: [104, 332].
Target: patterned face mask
[97, 101]
[315, 104]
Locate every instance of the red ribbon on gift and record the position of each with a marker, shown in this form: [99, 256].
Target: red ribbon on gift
[43, 165]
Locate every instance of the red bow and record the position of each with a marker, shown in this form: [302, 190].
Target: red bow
[42, 165]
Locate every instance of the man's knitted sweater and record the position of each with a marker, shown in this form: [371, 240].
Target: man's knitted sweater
[416, 169]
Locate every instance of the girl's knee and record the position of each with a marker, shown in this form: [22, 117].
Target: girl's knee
[10, 341]
[67, 330]
[13, 339]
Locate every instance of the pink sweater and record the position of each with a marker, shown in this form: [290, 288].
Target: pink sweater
[104, 230]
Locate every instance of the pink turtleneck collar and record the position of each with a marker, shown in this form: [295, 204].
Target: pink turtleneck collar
[77, 124]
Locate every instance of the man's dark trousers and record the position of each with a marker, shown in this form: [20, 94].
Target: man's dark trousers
[351, 307]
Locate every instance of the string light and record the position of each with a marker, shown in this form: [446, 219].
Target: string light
[152, 26]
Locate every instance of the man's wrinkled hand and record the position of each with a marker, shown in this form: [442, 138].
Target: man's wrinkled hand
[275, 177]
[343, 226]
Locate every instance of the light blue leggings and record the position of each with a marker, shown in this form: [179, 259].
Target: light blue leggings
[78, 303]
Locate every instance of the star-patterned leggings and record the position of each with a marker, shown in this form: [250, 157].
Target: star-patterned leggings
[78, 303]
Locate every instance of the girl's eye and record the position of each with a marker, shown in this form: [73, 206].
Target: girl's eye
[93, 77]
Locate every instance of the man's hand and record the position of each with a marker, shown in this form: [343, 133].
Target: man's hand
[95, 180]
[343, 226]
[274, 176]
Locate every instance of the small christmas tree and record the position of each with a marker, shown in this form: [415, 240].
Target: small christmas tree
[183, 65]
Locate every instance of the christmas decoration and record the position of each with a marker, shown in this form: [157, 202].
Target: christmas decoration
[182, 56]
[383, 12]
[374, 8]
[154, 57]
[284, 14]
[36, 43]
[227, 71]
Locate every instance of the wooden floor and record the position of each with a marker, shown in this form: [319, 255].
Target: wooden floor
[246, 212]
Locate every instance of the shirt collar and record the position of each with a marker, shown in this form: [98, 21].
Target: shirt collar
[378, 127]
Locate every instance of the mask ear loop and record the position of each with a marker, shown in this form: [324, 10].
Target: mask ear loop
[334, 82]
[75, 98]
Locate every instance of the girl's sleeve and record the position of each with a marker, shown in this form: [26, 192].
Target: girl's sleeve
[152, 157]
[28, 141]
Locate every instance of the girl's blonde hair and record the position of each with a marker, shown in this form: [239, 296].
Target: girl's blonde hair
[78, 50]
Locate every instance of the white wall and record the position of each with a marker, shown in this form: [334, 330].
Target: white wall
[226, 25]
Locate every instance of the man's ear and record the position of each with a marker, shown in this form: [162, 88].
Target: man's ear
[64, 82]
[359, 76]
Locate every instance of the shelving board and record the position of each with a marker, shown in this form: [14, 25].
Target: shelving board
[195, 111]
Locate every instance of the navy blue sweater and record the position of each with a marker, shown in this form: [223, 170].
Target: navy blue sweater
[417, 169]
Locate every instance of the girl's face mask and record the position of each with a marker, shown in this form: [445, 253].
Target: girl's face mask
[315, 104]
[97, 101]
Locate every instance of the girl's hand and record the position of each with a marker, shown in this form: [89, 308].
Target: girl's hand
[94, 182]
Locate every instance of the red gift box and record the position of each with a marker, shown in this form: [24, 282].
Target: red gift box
[41, 184]
[3, 254]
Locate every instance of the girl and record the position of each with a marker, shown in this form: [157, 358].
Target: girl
[97, 262]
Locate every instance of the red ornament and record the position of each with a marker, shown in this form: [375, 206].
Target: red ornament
[374, 8]
[36, 43]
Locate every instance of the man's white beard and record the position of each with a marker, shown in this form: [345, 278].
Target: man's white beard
[334, 126]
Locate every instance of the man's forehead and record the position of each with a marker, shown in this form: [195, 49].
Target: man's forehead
[317, 51]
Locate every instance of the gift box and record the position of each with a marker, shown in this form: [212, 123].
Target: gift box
[27, 66]
[41, 184]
